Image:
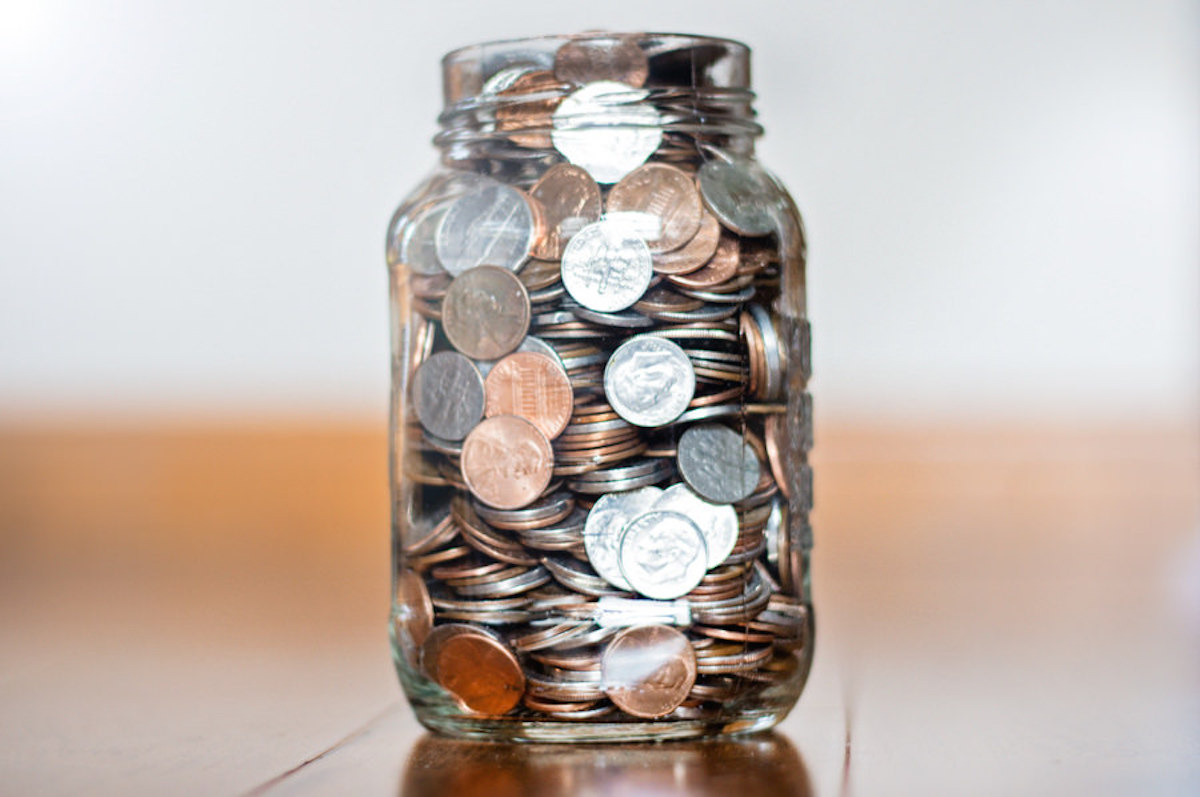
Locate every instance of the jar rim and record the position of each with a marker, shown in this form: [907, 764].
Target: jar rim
[680, 39]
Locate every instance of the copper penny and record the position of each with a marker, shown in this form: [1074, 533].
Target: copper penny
[648, 670]
[486, 312]
[695, 253]
[507, 462]
[475, 667]
[719, 269]
[571, 201]
[528, 121]
[412, 613]
[532, 386]
[602, 58]
[659, 203]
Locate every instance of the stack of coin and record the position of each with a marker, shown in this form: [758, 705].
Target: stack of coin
[603, 494]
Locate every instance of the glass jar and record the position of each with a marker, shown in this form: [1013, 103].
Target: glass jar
[600, 424]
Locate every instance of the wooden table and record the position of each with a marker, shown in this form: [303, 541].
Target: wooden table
[200, 609]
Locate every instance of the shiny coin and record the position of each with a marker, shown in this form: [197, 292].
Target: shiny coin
[607, 128]
[531, 386]
[695, 253]
[605, 522]
[648, 670]
[662, 555]
[662, 201]
[615, 58]
[649, 381]
[494, 225]
[475, 667]
[448, 395]
[605, 268]
[741, 194]
[507, 462]
[486, 312]
[571, 200]
[718, 463]
[717, 522]
[418, 242]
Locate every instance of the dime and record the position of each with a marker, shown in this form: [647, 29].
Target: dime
[507, 462]
[605, 268]
[662, 554]
[660, 199]
[717, 522]
[531, 386]
[648, 670]
[718, 463]
[695, 253]
[495, 225]
[486, 312]
[448, 395]
[649, 381]
[606, 128]
[614, 58]
[571, 200]
[605, 522]
[741, 194]
[475, 667]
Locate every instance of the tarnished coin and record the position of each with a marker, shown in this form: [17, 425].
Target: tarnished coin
[534, 387]
[616, 58]
[448, 395]
[718, 463]
[475, 667]
[412, 614]
[605, 522]
[507, 462]
[661, 200]
[605, 268]
[695, 253]
[662, 554]
[649, 381]
[717, 522]
[741, 195]
[486, 312]
[607, 128]
[418, 241]
[571, 200]
[495, 225]
[648, 670]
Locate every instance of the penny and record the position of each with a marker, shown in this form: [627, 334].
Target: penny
[526, 108]
[649, 381]
[571, 200]
[448, 395]
[662, 554]
[607, 128]
[741, 194]
[605, 522]
[531, 386]
[695, 253]
[717, 522]
[486, 312]
[475, 667]
[605, 268]
[718, 463]
[614, 58]
[660, 199]
[494, 225]
[648, 670]
[720, 268]
[507, 462]
[412, 614]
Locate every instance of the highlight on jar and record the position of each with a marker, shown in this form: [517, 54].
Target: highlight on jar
[600, 417]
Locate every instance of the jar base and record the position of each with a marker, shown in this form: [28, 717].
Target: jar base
[542, 731]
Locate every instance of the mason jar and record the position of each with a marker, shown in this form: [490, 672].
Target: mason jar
[599, 418]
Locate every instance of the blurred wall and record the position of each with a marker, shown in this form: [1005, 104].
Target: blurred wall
[1002, 199]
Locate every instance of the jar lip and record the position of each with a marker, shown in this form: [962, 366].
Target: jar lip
[679, 40]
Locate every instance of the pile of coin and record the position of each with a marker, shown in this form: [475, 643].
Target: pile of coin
[602, 501]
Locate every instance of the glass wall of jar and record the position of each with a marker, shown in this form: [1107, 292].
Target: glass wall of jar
[600, 422]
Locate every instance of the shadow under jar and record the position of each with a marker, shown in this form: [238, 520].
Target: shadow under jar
[600, 424]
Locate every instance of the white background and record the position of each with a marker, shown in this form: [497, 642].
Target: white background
[1001, 198]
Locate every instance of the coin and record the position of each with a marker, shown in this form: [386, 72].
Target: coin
[475, 667]
[494, 225]
[662, 554]
[695, 253]
[662, 200]
[412, 614]
[532, 386]
[418, 241]
[741, 194]
[616, 58]
[605, 522]
[507, 462]
[486, 312]
[571, 200]
[528, 120]
[649, 381]
[717, 522]
[448, 395]
[720, 268]
[605, 268]
[718, 463]
[606, 128]
[648, 670]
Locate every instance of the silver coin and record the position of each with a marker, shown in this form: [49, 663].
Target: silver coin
[741, 195]
[649, 381]
[606, 269]
[606, 128]
[448, 395]
[717, 522]
[605, 522]
[662, 555]
[493, 226]
[717, 463]
[418, 242]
